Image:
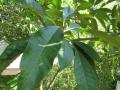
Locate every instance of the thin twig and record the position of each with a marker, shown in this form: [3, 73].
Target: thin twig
[91, 38]
[53, 80]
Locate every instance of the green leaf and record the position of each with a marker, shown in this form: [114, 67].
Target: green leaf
[105, 10]
[88, 20]
[67, 12]
[98, 2]
[114, 11]
[74, 27]
[112, 39]
[65, 55]
[92, 1]
[33, 4]
[39, 55]
[85, 74]
[11, 52]
[79, 1]
[84, 5]
[103, 13]
[101, 20]
[5, 2]
[87, 50]
[57, 3]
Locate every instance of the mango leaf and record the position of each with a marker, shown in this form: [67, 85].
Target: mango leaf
[101, 20]
[114, 11]
[33, 4]
[84, 5]
[11, 52]
[85, 74]
[67, 13]
[112, 39]
[102, 13]
[74, 27]
[57, 3]
[65, 55]
[92, 1]
[39, 55]
[105, 10]
[86, 18]
[87, 50]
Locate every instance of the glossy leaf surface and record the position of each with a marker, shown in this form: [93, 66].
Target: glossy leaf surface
[85, 75]
[39, 55]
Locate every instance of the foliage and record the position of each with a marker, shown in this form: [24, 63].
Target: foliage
[59, 29]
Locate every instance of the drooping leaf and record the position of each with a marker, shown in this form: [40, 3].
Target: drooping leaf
[39, 55]
[88, 20]
[11, 52]
[65, 55]
[87, 50]
[85, 74]
[101, 20]
[102, 14]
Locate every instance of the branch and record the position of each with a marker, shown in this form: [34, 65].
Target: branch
[91, 38]
[53, 80]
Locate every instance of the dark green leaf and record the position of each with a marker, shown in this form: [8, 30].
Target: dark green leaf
[12, 52]
[86, 77]
[79, 1]
[87, 50]
[39, 55]
[114, 11]
[103, 13]
[105, 10]
[65, 55]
